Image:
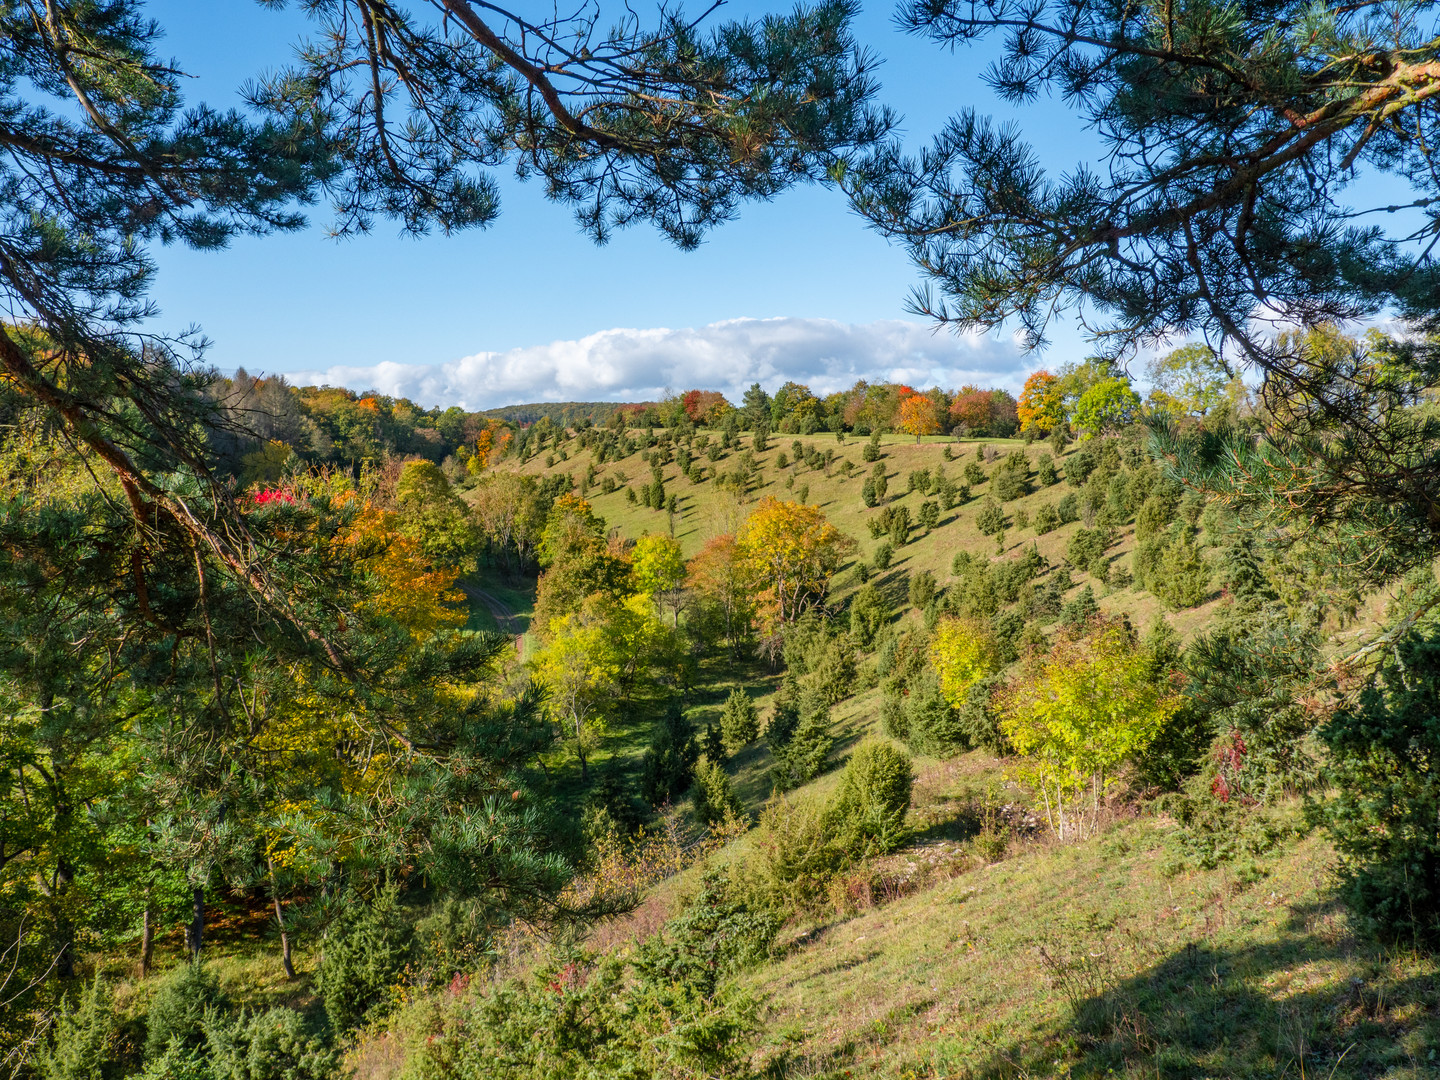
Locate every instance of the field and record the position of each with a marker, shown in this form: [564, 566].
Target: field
[705, 511]
[983, 948]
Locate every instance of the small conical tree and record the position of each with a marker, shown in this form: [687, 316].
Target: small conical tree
[740, 722]
[803, 756]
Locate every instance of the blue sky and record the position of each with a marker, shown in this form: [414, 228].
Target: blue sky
[404, 315]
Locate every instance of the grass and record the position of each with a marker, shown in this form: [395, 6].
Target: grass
[706, 511]
[1088, 960]
[982, 949]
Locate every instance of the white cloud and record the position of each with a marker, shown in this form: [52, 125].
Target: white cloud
[633, 365]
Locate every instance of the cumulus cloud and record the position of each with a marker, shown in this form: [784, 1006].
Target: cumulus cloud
[634, 365]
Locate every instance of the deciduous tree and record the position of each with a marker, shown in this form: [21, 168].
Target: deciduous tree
[1041, 408]
[790, 551]
[1077, 714]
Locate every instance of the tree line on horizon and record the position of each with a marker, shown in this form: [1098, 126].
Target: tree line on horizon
[263, 421]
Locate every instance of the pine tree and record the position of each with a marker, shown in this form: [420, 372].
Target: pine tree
[802, 757]
[739, 722]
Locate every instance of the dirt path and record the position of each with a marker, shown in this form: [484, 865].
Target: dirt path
[504, 618]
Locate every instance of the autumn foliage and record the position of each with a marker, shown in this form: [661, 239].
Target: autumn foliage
[704, 406]
[1041, 408]
[1077, 714]
[918, 415]
[790, 551]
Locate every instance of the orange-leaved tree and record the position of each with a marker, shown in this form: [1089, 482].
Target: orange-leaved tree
[406, 586]
[490, 445]
[790, 551]
[1041, 407]
[918, 415]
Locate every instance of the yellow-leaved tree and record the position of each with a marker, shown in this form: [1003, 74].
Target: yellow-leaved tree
[659, 569]
[406, 588]
[790, 551]
[962, 652]
[1041, 407]
[579, 671]
[1077, 714]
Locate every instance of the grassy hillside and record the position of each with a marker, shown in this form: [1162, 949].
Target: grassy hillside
[705, 509]
[984, 948]
[981, 947]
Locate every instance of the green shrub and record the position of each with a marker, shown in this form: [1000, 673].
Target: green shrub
[1080, 610]
[1068, 508]
[1006, 628]
[893, 720]
[784, 714]
[1099, 569]
[272, 1045]
[833, 669]
[991, 518]
[977, 721]
[717, 935]
[795, 856]
[1087, 545]
[1045, 470]
[871, 451]
[672, 1011]
[178, 1063]
[867, 492]
[1385, 817]
[712, 743]
[1157, 512]
[79, 1045]
[974, 474]
[177, 1011]
[1011, 479]
[613, 797]
[883, 555]
[869, 808]
[900, 526]
[922, 588]
[739, 722]
[365, 955]
[665, 766]
[929, 515]
[1181, 577]
[802, 757]
[711, 794]
[926, 722]
[868, 613]
[1079, 465]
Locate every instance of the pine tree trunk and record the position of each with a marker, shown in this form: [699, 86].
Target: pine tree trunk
[285, 960]
[195, 929]
[65, 928]
[147, 937]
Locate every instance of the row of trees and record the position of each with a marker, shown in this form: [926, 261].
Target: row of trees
[261, 426]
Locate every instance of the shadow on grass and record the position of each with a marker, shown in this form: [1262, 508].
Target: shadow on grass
[1307, 1004]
